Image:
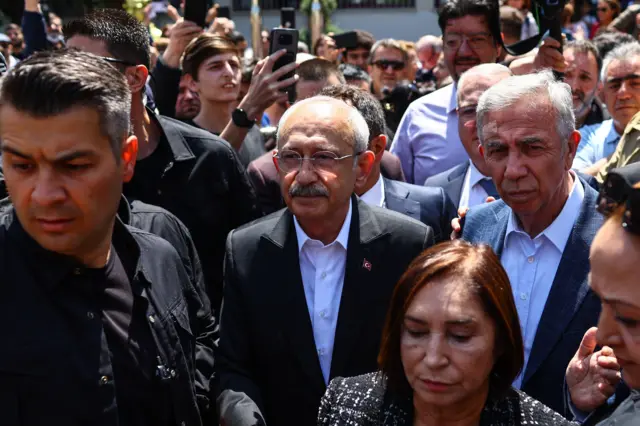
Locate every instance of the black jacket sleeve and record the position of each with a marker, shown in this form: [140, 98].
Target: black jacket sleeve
[165, 83]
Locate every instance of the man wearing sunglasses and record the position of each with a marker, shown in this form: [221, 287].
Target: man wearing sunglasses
[306, 288]
[387, 62]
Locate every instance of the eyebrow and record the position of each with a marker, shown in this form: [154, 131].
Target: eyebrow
[222, 61]
[462, 321]
[15, 152]
[60, 159]
[530, 140]
[484, 33]
[619, 79]
[614, 301]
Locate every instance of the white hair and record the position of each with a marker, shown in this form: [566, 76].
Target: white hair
[624, 53]
[356, 121]
[512, 90]
[487, 70]
[430, 41]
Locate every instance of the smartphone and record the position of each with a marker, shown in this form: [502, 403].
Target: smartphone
[287, 17]
[285, 38]
[196, 11]
[224, 12]
[348, 40]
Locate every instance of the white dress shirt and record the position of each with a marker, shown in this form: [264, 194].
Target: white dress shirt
[322, 268]
[472, 192]
[531, 265]
[375, 195]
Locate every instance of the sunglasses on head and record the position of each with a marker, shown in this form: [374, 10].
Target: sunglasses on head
[384, 64]
[617, 191]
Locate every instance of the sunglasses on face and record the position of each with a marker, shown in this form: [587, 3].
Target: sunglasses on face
[383, 64]
[602, 9]
[118, 61]
[618, 191]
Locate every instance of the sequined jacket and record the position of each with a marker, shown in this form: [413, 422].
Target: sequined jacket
[364, 401]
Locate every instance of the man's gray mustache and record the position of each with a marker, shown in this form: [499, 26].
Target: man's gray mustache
[308, 191]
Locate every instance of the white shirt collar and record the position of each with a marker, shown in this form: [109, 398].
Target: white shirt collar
[342, 238]
[474, 174]
[375, 195]
[560, 229]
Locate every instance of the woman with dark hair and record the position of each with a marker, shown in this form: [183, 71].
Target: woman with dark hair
[607, 11]
[451, 348]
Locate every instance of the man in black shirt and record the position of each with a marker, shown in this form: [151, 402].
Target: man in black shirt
[190, 172]
[101, 323]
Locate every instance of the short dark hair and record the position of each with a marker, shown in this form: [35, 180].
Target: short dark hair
[488, 9]
[609, 39]
[480, 269]
[353, 73]
[125, 37]
[364, 102]
[365, 40]
[586, 47]
[237, 37]
[204, 47]
[318, 69]
[50, 83]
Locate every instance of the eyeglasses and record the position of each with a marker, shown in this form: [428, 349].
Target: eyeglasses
[326, 161]
[383, 64]
[467, 113]
[602, 9]
[118, 61]
[476, 41]
[617, 191]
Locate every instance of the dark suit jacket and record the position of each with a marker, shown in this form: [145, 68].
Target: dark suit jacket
[267, 365]
[430, 206]
[451, 181]
[263, 175]
[571, 308]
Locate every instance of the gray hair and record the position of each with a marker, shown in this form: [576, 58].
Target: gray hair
[489, 69]
[388, 43]
[517, 88]
[622, 53]
[356, 121]
[431, 41]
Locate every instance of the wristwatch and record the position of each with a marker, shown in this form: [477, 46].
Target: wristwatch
[241, 119]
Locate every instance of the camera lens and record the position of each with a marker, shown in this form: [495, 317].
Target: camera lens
[285, 39]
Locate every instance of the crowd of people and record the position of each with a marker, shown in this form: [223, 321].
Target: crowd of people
[425, 233]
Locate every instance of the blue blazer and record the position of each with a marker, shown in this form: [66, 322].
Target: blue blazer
[571, 307]
[428, 205]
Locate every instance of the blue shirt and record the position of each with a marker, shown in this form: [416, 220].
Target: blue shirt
[427, 140]
[322, 269]
[598, 141]
[532, 263]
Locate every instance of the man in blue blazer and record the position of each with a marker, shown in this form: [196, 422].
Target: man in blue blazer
[543, 225]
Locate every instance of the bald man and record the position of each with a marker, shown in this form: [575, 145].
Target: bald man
[306, 288]
[469, 184]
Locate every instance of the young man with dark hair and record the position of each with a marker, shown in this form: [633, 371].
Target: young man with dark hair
[188, 171]
[110, 327]
[359, 55]
[315, 74]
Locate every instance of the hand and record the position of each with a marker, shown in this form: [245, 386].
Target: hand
[212, 13]
[592, 377]
[549, 56]
[265, 87]
[172, 12]
[32, 6]
[181, 35]
[455, 222]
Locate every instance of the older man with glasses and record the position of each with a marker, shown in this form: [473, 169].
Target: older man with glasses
[306, 288]
[387, 62]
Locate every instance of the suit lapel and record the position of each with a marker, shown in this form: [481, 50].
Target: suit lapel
[357, 289]
[569, 285]
[453, 188]
[396, 199]
[295, 319]
[494, 236]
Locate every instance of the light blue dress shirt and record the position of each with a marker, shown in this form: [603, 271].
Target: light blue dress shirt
[531, 265]
[427, 140]
[322, 269]
[598, 141]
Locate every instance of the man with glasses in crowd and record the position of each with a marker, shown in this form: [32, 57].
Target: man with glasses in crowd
[306, 288]
[387, 62]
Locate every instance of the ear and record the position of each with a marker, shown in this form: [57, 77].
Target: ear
[572, 148]
[364, 166]
[128, 158]
[499, 47]
[378, 146]
[193, 84]
[275, 160]
[481, 149]
[137, 78]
